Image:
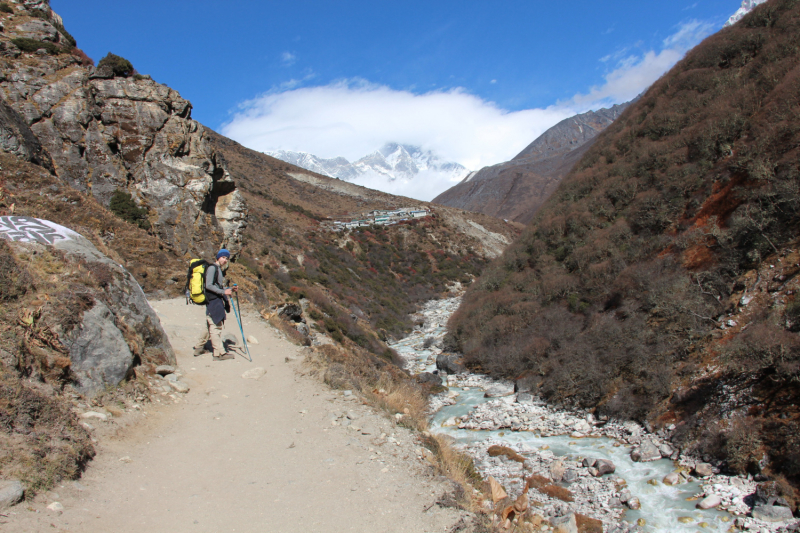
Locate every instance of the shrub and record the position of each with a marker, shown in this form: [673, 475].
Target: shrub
[119, 65]
[32, 45]
[5, 8]
[124, 207]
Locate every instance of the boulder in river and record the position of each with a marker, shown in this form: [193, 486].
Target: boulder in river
[645, 452]
[703, 470]
[709, 502]
[450, 363]
[428, 377]
[605, 466]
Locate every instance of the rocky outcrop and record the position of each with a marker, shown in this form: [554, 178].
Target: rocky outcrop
[112, 328]
[106, 133]
[18, 139]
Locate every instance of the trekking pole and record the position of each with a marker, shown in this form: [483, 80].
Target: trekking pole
[238, 312]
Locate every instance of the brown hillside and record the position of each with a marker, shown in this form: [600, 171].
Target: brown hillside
[516, 189]
[659, 281]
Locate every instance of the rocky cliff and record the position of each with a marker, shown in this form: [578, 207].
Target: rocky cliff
[105, 133]
[515, 189]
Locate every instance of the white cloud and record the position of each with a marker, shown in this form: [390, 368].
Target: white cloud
[352, 118]
[288, 58]
[633, 73]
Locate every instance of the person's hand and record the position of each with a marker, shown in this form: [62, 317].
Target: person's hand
[228, 292]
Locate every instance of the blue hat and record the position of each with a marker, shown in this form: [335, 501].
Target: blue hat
[224, 253]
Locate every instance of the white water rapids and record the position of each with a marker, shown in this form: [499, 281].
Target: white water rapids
[664, 508]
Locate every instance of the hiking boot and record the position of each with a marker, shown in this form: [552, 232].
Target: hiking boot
[199, 351]
[223, 357]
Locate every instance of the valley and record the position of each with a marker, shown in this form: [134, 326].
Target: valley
[600, 334]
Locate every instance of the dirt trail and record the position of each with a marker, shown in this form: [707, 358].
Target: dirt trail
[241, 455]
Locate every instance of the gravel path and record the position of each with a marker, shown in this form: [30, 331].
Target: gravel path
[281, 453]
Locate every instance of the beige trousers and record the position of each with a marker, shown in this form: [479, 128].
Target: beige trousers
[213, 332]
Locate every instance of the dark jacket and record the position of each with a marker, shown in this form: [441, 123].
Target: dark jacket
[215, 294]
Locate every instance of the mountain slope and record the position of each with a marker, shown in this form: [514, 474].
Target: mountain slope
[515, 189]
[659, 281]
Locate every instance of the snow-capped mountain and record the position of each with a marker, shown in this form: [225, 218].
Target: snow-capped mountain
[747, 7]
[393, 161]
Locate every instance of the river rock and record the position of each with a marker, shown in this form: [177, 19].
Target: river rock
[767, 493]
[709, 502]
[570, 476]
[11, 493]
[645, 452]
[604, 467]
[524, 397]
[429, 378]
[499, 390]
[772, 513]
[673, 478]
[703, 470]
[557, 471]
[633, 503]
[582, 426]
[564, 524]
[252, 340]
[666, 450]
[450, 363]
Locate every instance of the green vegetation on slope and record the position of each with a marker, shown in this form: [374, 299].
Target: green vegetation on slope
[609, 296]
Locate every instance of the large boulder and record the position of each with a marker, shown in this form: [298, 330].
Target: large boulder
[450, 363]
[113, 326]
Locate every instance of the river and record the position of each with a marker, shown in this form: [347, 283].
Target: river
[556, 442]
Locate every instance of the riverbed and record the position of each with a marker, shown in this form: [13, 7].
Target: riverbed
[659, 492]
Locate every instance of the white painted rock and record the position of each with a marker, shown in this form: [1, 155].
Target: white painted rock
[254, 373]
[56, 506]
[179, 386]
[252, 340]
[94, 414]
[709, 502]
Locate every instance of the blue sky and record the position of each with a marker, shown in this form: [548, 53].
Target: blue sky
[475, 81]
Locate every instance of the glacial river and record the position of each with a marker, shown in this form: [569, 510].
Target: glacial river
[661, 505]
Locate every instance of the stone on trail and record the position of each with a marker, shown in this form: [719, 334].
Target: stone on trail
[179, 386]
[565, 524]
[11, 492]
[254, 373]
[163, 370]
[709, 502]
[252, 340]
[94, 414]
[56, 507]
[772, 513]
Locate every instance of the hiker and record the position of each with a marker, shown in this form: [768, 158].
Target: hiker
[217, 304]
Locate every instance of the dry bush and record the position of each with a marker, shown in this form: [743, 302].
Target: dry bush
[495, 450]
[560, 493]
[587, 524]
[538, 482]
[743, 447]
